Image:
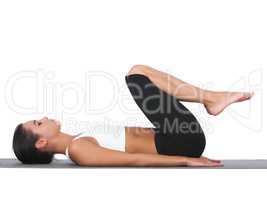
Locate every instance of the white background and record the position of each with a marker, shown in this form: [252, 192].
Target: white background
[219, 45]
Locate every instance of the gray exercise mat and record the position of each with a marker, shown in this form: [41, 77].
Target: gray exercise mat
[62, 163]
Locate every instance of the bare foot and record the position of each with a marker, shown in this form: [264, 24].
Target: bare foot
[220, 100]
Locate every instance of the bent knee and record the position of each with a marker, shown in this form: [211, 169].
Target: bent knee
[138, 69]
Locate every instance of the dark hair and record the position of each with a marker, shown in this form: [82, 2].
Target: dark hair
[25, 150]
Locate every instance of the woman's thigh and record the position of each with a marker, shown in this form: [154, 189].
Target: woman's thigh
[177, 130]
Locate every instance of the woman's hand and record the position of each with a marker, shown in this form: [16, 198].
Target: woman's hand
[203, 162]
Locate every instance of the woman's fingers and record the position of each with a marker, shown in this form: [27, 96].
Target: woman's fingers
[212, 160]
[210, 164]
[217, 161]
[216, 164]
[203, 162]
[213, 164]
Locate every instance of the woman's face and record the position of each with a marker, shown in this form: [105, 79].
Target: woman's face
[45, 128]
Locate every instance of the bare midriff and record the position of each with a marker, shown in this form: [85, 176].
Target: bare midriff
[140, 140]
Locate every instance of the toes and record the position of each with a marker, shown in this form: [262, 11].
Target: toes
[245, 96]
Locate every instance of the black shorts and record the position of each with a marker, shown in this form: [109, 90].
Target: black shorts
[177, 131]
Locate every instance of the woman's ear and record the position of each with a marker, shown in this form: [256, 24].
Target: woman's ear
[41, 143]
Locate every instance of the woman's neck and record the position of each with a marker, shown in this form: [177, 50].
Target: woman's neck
[59, 143]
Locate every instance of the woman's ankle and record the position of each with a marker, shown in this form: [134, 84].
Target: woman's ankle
[209, 97]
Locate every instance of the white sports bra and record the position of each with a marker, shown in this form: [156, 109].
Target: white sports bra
[109, 136]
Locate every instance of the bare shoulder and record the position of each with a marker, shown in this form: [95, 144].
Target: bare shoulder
[82, 142]
[81, 146]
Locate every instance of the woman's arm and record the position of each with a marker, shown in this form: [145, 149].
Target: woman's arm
[86, 153]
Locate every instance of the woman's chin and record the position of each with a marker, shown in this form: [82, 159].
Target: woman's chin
[57, 123]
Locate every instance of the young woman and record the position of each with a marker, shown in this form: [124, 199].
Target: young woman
[177, 138]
